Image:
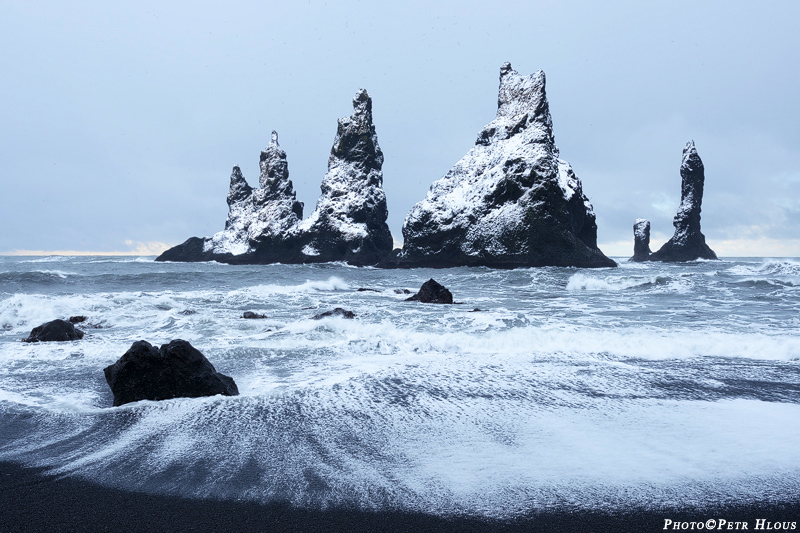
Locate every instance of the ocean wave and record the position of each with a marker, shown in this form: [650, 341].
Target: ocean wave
[769, 267]
[50, 259]
[584, 282]
[35, 276]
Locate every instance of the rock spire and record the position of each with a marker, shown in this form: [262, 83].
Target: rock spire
[688, 243]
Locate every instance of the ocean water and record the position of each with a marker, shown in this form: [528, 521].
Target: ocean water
[648, 385]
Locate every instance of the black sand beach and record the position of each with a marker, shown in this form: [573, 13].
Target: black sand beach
[31, 501]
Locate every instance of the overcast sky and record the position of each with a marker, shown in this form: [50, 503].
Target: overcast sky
[121, 121]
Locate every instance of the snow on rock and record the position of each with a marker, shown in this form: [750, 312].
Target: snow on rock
[264, 224]
[259, 217]
[349, 221]
[688, 243]
[510, 201]
[641, 240]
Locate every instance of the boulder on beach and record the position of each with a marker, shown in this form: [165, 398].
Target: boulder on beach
[54, 331]
[175, 370]
[510, 201]
[432, 292]
[688, 243]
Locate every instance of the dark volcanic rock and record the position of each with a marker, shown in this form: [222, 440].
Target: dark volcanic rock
[688, 243]
[344, 313]
[641, 240]
[54, 331]
[349, 221]
[510, 202]
[192, 250]
[175, 370]
[252, 315]
[76, 319]
[264, 224]
[432, 292]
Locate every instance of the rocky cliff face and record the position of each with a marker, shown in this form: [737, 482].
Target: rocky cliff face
[510, 201]
[349, 222]
[688, 243]
[264, 224]
[641, 240]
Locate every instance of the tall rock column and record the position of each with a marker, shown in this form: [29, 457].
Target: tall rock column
[641, 240]
[688, 243]
[349, 221]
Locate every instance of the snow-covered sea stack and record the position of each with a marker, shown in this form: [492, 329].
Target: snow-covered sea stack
[641, 240]
[264, 224]
[688, 243]
[349, 222]
[260, 221]
[510, 202]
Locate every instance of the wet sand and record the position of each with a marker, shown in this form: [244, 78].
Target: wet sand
[31, 501]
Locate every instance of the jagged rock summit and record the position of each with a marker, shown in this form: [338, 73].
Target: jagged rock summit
[349, 222]
[265, 224]
[510, 201]
[688, 243]
[641, 240]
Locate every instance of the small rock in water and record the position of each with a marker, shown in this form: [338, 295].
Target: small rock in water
[402, 291]
[187, 312]
[344, 313]
[641, 240]
[363, 289]
[176, 370]
[252, 315]
[54, 331]
[432, 292]
[77, 319]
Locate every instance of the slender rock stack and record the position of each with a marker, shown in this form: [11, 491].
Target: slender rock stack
[641, 240]
[688, 243]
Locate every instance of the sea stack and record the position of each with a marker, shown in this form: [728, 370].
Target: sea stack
[265, 224]
[349, 222]
[510, 201]
[688, 243]
[641, 240]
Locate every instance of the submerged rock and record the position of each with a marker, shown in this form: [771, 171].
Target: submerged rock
[510, 202]
[253, 316]
[349, 221]
[175, 370]
[688, 243]
[432, 292]
[641, 240]
[54, 331]
[344, 313]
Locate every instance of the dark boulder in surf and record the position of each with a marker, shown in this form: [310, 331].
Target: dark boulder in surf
[54, 331]
[432, 292]
[253, 316]
[176, 370]
[344, 313]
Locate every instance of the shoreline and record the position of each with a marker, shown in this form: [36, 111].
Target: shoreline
[31, 501]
